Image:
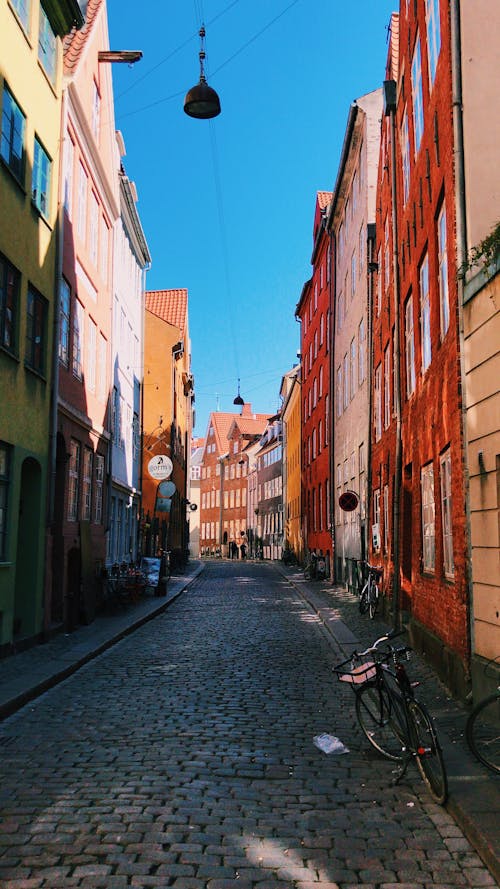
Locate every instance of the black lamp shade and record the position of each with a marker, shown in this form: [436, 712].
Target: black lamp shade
[202, 101]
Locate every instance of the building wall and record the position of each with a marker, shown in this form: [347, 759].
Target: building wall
[270, 521]
[28, 248]
[480, 36]
[292, 413]
[167, 397]
[482, 367]
[432, 520]
[353, 209]
[89, 195]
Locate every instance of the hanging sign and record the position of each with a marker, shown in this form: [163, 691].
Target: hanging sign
[160, 467]
[166, 489]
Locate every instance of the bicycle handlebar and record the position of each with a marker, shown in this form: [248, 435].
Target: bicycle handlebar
[392, 634]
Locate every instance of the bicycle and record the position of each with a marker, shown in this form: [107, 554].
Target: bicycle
[370, 594]
[482, 729]
[392, 720]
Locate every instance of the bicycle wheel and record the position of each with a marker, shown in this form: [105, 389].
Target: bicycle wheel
[482, 731]
[376, 716]
[363, 599]
[428, 752]
[373, 600]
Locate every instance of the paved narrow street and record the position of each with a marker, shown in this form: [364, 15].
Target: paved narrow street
[184, 757]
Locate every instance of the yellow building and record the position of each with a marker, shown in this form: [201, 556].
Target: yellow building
[291, 416]
[30, 86]
[167, 423]
[479, 239]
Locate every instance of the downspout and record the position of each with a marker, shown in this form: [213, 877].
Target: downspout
[390, 109]
[372, 267]
[461, 248]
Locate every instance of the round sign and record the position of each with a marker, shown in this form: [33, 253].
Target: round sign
[166, 489]
[348, 501]
[160, 466]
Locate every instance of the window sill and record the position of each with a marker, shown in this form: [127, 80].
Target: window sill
[13, 355]
[36, 373]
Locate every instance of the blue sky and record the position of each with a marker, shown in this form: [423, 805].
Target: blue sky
[227, 205]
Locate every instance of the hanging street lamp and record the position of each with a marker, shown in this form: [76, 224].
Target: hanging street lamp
[202, 101]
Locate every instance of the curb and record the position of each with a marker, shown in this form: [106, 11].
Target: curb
[15, 703]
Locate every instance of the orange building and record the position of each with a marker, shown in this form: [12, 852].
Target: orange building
[167, 423]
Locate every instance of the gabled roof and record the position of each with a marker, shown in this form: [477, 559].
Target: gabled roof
[169, 305]
[324, 198]
[222, 423]
[254, 425]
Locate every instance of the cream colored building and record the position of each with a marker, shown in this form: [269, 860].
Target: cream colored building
[292, 425]
[480, 35]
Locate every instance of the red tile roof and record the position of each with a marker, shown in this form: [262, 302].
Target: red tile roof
[74, 43]
[169, 305]
[251, 425]
[324, 198]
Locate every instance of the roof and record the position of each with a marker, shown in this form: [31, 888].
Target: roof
[254, 425]
[74, 43]
[324, 198]
[169, 305]
[222, 423]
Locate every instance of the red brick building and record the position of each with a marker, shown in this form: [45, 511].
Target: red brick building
[313, 311]
[417, 453]
[223, 481]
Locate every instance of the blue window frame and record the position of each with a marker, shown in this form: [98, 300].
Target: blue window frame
[40, 183]
[10, 280]
[12, 147]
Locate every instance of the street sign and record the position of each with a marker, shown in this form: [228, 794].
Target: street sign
[160, 467]
[348, 501]
[166, 489]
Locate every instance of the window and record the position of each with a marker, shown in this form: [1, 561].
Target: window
[387, 386]
[361, 249]
[101, 369]
[88, 460]
[425, 313]
[92, 356]
[64, 316]
[69, 159]
[320, 382]
[78, 340]
[315, 392]
[10, 280]
[73, 480]
[327, 418]
[340, 311]
[444, 301]
[346, 381]
[445, 466]
[378, 305]
[36, 330]
[377, 406]
[4, 497]
[352, 367]
[361, 351]
[338, 391]
[428, 527]
[40, 182]
[93, 228]
[22, 8]
[12, 147]
[104, 247]
[353, 274]
[376, 520]
[405, 156]
[386, 518]
[47, 46]
[409, 347]
[321, 329]
[387, 258]
[314, 444]
[82, 202]
[433, 35]
[416, 90]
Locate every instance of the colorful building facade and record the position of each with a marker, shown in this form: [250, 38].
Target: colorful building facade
[313, 311]
[31, 76]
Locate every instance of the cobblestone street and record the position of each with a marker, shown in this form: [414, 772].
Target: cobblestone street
[184, 757]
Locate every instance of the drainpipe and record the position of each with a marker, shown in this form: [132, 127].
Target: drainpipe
[461, 248]
[390, 109]
[372, 267]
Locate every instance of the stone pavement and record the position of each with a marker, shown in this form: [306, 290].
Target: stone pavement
[474, 792]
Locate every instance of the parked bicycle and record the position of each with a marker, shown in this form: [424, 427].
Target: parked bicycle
[482, 729]
[370, 593]
[391, 718]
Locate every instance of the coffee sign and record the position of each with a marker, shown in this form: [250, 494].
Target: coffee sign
[160, 467]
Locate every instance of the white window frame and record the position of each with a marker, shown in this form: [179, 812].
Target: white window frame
[417, 95]
[444, 293]
[409, 347]
[428, 518]
[446, 513]
[387, 386]
[425, 313]
[433, 24]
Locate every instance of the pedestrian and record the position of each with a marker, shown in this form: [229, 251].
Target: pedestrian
[243, 551]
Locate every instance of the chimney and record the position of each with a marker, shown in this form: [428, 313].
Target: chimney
[246, 410]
